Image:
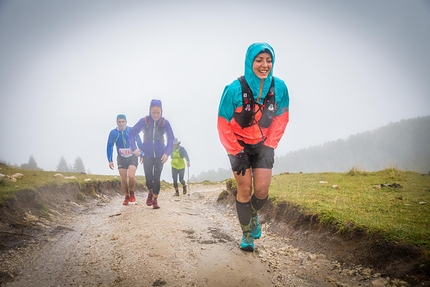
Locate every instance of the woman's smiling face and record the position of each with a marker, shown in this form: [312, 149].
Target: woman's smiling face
[262, 65]
[155, 113]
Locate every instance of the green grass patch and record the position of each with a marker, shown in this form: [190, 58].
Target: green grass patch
[80, 196]
[33, 179]
[391, 202]
[44, 211]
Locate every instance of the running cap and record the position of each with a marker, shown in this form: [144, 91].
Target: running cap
[121, 116]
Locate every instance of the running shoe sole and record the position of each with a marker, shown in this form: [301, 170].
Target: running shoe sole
[247, 245]
[248, 248]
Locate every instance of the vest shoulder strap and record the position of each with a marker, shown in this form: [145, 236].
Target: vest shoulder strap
[161, 122]
[246, 117]
[247, 96]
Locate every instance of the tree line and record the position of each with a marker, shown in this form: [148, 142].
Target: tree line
[63, 166]
[78, 165]
[404, 145]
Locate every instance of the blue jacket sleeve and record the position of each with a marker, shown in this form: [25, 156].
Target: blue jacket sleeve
[138, 139]
[109, 147]
[170, 137]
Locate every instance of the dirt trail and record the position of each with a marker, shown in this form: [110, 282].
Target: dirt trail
[190, 241]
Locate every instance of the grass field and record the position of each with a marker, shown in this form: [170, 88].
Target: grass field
[391, 202]
[352, 200]
[35, 178]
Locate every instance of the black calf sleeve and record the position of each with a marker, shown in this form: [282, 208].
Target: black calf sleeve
[244, 212]
[257, 204]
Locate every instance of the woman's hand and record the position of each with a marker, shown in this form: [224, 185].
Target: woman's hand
[164, 158]
[241, 163]
[136, 152]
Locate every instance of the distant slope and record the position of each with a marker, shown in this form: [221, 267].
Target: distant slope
[404, 144]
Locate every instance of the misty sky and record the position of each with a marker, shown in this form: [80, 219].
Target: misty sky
[67, 68]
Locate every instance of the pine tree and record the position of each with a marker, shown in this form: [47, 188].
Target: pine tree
[62, 165]
[78, 166]
[31, 165]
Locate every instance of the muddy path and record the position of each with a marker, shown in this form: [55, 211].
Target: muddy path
[191, 241]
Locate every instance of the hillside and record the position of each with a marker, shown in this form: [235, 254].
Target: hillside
[404, 144]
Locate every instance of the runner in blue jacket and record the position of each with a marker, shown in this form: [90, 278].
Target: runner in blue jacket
[155, 151]
[252, 117]
[127, 162]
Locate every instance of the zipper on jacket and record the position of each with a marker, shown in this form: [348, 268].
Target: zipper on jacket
[153, 139]
[124, 141]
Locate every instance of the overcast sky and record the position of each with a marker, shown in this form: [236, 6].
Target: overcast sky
[67, 68]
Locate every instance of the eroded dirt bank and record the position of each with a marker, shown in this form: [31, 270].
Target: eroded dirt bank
[191, 241]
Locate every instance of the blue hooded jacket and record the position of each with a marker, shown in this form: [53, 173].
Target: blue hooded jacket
[231, 101]
[151, 147]
[121, 140]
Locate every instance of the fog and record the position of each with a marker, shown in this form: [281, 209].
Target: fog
[67, 68]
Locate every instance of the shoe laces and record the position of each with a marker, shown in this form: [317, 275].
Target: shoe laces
[248, 237]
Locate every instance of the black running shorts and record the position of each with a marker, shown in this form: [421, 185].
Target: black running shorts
[260, 156]
[125, 162]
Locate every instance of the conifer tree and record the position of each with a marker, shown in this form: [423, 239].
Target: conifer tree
[31, 165]
[78, 166]
[62, 165]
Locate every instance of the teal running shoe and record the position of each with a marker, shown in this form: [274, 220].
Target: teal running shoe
[255, 227]
[247, 243]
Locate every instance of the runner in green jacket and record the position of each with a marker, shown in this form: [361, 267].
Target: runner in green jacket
[178, 165]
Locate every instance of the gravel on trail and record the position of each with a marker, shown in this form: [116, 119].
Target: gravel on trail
[190, 241]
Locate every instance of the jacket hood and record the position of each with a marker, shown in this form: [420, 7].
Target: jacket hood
[156, 103]
[251, 78]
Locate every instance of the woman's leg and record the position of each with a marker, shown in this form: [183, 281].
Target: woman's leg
[262, 178]
[158, 168]
[148, 167]
[262, 163]
[244, 209]
[243, 197]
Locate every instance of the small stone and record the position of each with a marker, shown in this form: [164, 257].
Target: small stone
[312, 257]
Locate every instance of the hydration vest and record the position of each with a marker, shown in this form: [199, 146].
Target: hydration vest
[159, 129]
[246, 117]
[124, 140]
